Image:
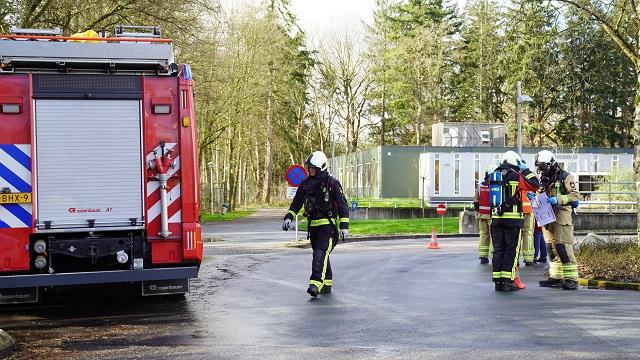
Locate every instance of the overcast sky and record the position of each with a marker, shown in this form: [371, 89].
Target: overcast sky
[321, 18]
[326, 18]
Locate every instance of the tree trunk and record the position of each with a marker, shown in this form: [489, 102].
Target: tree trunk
[636, 145]
[268, 158]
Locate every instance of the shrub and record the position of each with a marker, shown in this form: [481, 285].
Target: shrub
[613, 260]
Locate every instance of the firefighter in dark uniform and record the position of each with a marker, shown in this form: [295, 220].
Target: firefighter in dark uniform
[327, 212]
[506, 225]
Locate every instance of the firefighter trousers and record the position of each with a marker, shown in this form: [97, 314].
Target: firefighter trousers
[484, 227]
[528, 249]
[564, 265]
[323, 241]
[506, 248]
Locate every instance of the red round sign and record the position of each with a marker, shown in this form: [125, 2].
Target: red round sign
[441, 209]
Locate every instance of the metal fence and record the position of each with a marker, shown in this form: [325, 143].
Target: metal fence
[612, 196]
[598, 196]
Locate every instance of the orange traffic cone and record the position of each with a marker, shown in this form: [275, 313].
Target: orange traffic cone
[517, 281]
[434, 240]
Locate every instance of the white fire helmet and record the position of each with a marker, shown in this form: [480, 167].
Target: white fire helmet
[545, 157]
[318, 160]
[545, 162]
[511, 157]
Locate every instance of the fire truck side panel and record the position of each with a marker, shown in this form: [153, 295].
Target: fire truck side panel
[15, 128]
[16, 220]
[192, 239]
[163, 129]
[166, 252]
[14, 249]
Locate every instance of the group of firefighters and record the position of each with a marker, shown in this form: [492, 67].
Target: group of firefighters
[507, 224]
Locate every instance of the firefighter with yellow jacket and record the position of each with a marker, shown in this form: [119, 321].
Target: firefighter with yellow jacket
[560, 187]
[483, 215]
[527, 229]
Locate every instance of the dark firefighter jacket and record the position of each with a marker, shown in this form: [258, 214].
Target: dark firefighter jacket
[323, 200]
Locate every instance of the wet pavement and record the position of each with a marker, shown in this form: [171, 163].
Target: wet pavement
[391, 299]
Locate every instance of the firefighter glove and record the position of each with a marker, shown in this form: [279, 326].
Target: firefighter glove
[344, 234]
[531, 195]
[523, 165]
[286, 224]
[553, 200]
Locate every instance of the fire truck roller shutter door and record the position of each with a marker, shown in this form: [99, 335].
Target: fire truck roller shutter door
[89, 162]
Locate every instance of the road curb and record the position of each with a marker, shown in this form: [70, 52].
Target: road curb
[305, 244]
[611, 285]
[6, 343]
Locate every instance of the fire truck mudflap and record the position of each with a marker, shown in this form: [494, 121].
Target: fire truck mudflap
[98, 165]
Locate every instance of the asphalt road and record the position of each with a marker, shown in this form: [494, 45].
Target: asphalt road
[391, 299]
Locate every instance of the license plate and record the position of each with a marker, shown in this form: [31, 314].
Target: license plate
[15, 198]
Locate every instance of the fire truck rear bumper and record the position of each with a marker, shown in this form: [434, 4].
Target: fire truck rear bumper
[97, 277]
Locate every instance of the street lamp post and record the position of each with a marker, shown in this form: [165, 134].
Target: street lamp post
[520, 98]
[211, 185]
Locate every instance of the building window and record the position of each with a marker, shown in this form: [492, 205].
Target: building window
[496, 159]
[594, 163]
[456, 174]
[476, 167]
[615, 163]
[436, 174]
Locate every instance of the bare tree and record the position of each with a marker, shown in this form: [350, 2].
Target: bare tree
[346, 73]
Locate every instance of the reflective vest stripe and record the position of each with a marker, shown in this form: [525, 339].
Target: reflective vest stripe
[320, 222]
[526, 204]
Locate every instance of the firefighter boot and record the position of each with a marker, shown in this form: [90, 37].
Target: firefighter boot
[326, 289]
[499, 285]
[509, 286]
[541, 260]
[569, 285]
[313, 290]
[484, 260]
[550, 282]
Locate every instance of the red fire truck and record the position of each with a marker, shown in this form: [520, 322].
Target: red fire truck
[98, 163]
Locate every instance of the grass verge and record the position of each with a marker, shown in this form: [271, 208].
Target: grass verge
[613, 260]
[231, 215]
[399, 226]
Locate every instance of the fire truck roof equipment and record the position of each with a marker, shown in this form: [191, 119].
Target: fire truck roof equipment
[30, 49]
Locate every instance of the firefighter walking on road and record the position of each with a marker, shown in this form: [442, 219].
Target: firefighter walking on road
[506, 221]
[327, 212]
[560, 187]
[483, 214]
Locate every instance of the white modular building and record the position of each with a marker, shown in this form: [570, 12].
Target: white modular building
[451, 176]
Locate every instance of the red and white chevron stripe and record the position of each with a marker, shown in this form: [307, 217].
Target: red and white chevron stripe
[173, 193]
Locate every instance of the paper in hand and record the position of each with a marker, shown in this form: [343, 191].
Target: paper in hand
[542, 210]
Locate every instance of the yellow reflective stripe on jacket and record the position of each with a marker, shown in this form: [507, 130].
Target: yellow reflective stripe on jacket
[292, 213]
[530, 175]
[320, 222]
[344, 220]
